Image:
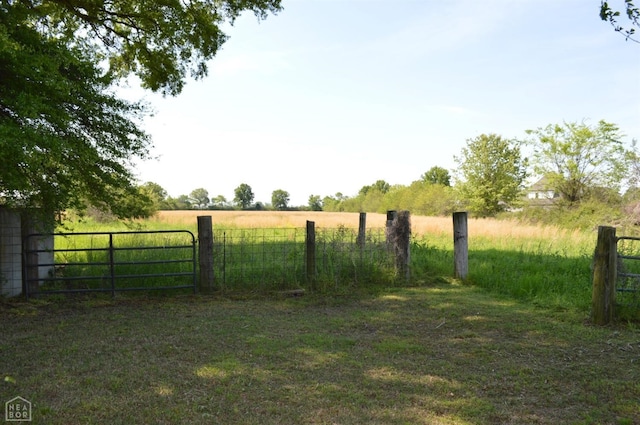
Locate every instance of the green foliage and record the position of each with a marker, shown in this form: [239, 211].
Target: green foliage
[280, 199]
[631, 11]
[243, 196]
[163, 43]
[200, 198]
[64, 138]
[492, 172]
[437, 175]
[66, 141]
[379, 186]
[576, 158]
[315, 203]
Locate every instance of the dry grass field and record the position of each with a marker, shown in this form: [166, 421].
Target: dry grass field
[435, 226]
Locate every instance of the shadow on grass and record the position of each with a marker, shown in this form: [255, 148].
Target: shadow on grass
[445, 354]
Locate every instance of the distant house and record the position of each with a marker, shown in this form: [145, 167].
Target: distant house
[541, 193]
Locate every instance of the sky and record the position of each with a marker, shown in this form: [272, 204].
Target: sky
[328, 96]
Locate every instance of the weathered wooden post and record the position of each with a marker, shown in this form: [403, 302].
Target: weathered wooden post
[604, 276]
[362, 230]
[460, 246]
[391, 215]
[311, 253]
[402, 242]
[205, 254]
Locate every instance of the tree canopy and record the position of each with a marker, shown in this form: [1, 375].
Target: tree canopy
[280, 199]
[576, 157]
[437, 175]
[162, 42]
[492, 172]
[243, 196]
[66, 140]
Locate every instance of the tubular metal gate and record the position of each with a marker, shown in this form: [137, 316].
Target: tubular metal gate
[628, 279]
[110, 262]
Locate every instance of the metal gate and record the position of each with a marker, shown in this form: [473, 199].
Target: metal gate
[110, 262]
[628, 279]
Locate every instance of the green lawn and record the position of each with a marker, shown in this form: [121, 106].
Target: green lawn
[443, 354]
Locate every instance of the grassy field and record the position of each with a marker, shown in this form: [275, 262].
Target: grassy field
[439, 354]
[513, 345]
[545, 265]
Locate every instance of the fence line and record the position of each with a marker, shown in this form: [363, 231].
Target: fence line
[279, 258]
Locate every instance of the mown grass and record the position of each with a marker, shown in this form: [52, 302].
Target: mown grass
[438, 354]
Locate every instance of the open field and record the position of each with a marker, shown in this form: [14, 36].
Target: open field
[545, 265]
[420, 225]
[441, 354]
[433, 352]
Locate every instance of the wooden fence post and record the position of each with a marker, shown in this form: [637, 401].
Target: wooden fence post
[604, 276]
[311, 253]
[362, 230]
[205, 254]
[460, 246]
[402, 242]
[391, 215]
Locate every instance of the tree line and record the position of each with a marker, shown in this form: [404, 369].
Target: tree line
[586, 167]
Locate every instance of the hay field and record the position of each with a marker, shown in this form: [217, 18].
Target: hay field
[442, 226]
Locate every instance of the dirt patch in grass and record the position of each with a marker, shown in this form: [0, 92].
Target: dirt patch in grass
[446, 354]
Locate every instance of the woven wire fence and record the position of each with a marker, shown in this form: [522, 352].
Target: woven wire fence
[275, 259]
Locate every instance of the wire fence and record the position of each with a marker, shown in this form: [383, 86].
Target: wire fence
[274, 259]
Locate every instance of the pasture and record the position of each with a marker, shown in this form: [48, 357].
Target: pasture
[545, 265]
[513, 345]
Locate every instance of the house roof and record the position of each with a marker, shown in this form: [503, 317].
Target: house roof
[541, 185]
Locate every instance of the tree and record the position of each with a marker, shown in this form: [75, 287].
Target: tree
[492, 172]
[66, 141]
[243, 196]
[280, 199]
[315, 203]
[631, 11]
[200, 198]
[155, 192]
[576, 157]
[183, 202]
[437, 175]
[633, 163]
[161, 42]
[219, 201]
[380, 186]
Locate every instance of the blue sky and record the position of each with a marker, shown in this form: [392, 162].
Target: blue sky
[331, 95]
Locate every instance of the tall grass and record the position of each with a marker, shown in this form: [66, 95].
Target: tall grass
[544, 265]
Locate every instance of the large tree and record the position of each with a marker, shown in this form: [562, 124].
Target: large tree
[199, 197]
[162, 42]
[437, 175]
[243, 196]
[576, 157]
[280, 199]
[66, 140]
[491, 171]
